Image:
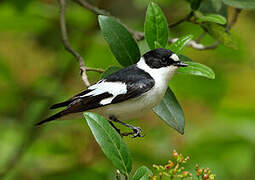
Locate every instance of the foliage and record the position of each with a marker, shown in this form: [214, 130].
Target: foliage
[242, 4]
[35, 72]
[155, 27]
[120, 41]
[175, 169]
[110, 142]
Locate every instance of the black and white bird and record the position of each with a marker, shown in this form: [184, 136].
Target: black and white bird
[127, 93]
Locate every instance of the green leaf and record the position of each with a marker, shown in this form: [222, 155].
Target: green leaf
[142, 173]
[110, 142]
[215, 18]
[157, 45]
[121, 42]
[242, 4]
[179, 45]
[155, 27]
[195, 68]
[110, 70]
[218, 32]
[170, 111]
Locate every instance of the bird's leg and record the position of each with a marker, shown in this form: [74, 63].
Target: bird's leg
[136, 130]
[114, 127]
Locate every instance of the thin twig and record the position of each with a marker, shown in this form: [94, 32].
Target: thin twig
[91, 8]
[202, 35]
[234, 19]
[136, 34]
[94, 69]
[198, 46]
[67, 44]
[140, 35]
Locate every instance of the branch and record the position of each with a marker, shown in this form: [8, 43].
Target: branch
[202, 35]
[140, 35]
[196, 45]
[67, 44]
[94, 69]
[234, 19]
[91, 8]
[136, 34]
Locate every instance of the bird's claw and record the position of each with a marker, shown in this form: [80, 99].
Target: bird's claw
[137, 132]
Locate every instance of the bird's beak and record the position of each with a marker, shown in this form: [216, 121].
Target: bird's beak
[180, 64]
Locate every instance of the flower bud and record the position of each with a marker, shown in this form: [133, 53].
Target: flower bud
[206, 176]
[175, 154]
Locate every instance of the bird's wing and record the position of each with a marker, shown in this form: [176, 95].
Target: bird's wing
[125, 84]
[130, 82]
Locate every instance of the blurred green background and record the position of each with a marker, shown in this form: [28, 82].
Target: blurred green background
[36, 71]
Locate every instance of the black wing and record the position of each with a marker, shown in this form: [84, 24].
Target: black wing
[136, 82]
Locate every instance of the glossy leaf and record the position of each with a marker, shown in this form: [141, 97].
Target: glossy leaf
[157, 45]
[155, 27]
[195, 68]
[179, 45]
[110, 142]
[170, 111]
[242, 4]
[215, 18]
[110, 70]
[218, 32]
[142, 173]
[121, 42]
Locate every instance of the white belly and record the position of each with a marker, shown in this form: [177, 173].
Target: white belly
[136, 107]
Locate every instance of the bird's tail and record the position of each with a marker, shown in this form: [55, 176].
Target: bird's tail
[51, 118]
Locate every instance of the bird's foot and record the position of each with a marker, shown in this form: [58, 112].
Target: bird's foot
[136, 131]
[114, 127]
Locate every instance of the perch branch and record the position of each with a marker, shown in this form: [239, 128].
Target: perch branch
[140, 35]
[94, 69]
[83, 68]
[136, 34]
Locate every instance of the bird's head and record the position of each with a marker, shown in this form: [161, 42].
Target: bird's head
[161, 58]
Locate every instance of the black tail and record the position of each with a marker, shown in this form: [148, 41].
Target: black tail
[51, 118]
[62, 104]
[69, 101]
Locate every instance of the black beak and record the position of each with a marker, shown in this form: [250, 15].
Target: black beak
[180, 64]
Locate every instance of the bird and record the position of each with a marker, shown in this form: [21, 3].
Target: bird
[126, 94]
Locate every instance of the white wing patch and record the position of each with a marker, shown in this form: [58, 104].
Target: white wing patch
[114, 88]
[174, 57]
[107, 100]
